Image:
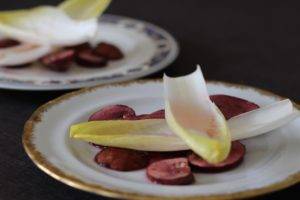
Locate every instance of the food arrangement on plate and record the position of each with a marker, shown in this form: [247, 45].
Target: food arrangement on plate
[55, 36]
[195, 132]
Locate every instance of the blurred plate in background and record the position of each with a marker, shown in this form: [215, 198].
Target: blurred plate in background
[147, 49]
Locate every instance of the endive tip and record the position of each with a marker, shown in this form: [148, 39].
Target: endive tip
[198, 67]
[198, 70]
[84, 9]
[165, 76]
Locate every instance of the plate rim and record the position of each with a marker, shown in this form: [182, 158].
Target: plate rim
[44, 165]
[174, 52]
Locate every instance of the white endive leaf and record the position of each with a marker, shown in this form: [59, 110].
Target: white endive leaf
[192, 116]
[45, 25]
[22, 54]
[155, 134]
[262, 120]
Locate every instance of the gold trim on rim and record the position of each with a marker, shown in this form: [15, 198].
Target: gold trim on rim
[72, 181]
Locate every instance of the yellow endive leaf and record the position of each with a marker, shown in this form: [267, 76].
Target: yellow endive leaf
[192, 116]
[84, 9]
[127, 134]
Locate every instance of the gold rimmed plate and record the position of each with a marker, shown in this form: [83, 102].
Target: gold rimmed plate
[272, 160]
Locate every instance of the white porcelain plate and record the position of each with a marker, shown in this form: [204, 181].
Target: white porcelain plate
[272, 160]
[147, 49]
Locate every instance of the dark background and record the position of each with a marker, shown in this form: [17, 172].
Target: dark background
[251, 42]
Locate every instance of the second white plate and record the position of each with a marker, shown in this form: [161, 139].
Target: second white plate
[147, 49]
